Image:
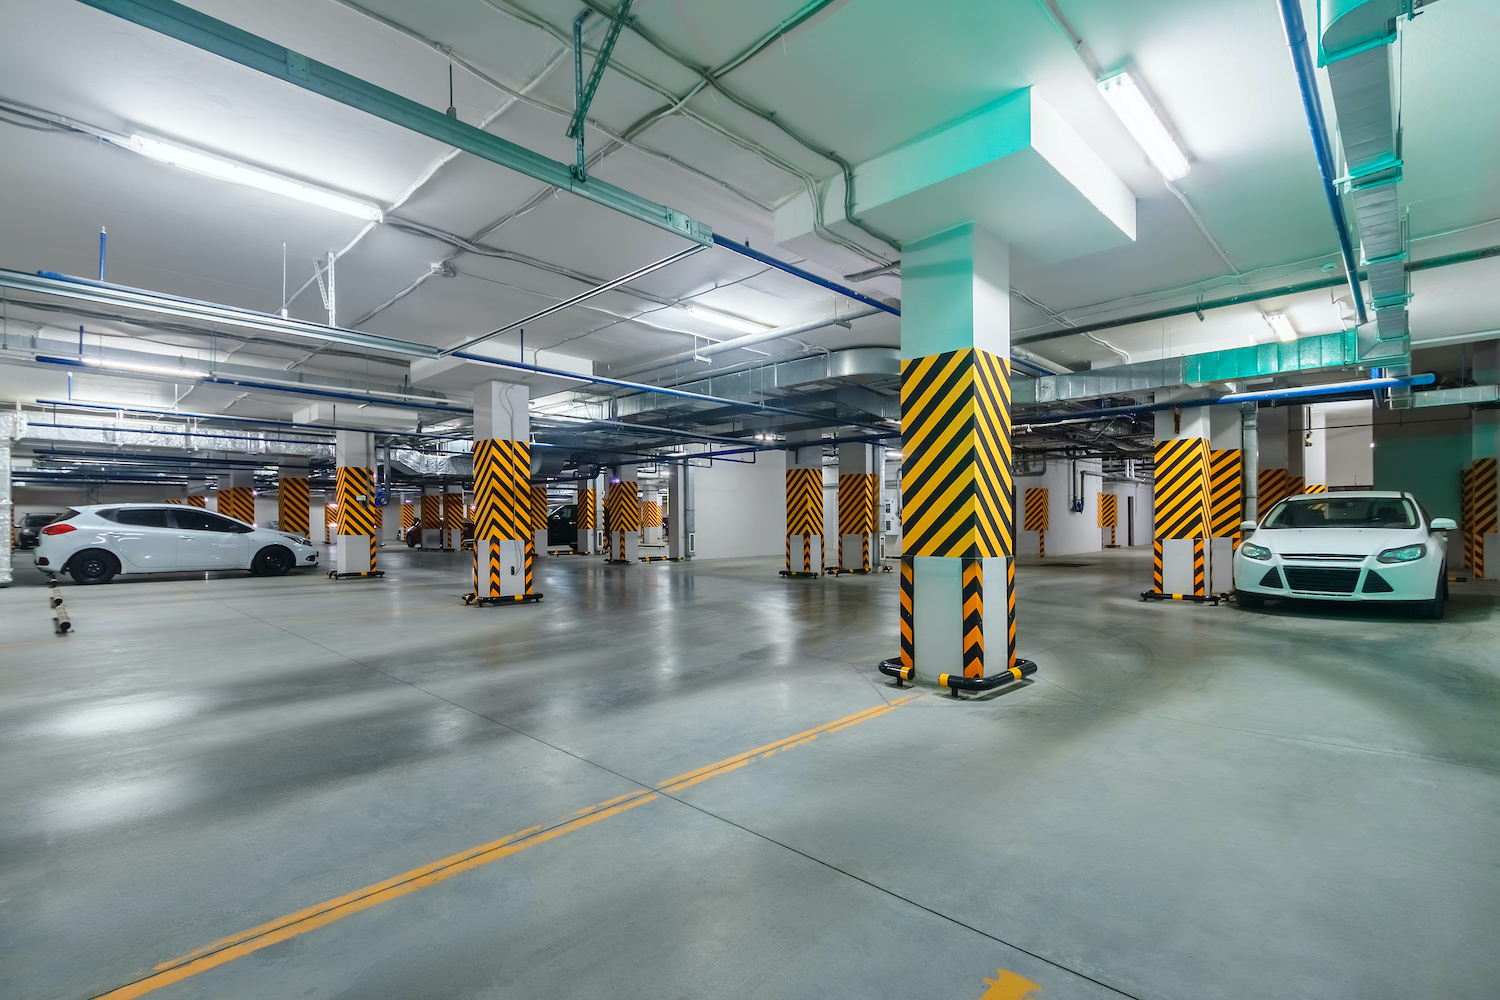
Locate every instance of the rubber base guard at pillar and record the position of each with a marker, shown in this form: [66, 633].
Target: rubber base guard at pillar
[1214, 599]
[506, 601]
[790, 574]
[336, 575]
[841, 571]
[893, 668]
[662, 558]
[957, 682]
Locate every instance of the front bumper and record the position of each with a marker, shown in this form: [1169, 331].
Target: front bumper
[1360, 580]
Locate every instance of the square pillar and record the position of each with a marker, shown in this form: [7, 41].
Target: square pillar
[680, 526]
[358, 519]
[236, 495]
[804, 511]
[588, 516]
[859, 505]
[293, 513]
[504, 536]
[622, 516]
[430, 517]
[197, 493]
[957, 486]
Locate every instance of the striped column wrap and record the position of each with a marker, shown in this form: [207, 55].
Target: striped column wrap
[1226, 490]
[408, 515]
[1296, 486]
[622, 508]
[973, 617]
[864, 560]
[957, 490]
[858, 496]
[1466, 515]
[330, 518]
[806, 553]
[539, 508]
[651, 514]
[1315, 488]
[1182, 496]
[176, 500]
[292, 506]
[1010, 615]
[586, 510]
[502, 502]
[1036, 517]
[1271, 487]
[788, 553]
[1156, 572]
[453, 512]
[530, 563]
[908, 610]
[198, 501]
[238, 502]
[1486, 515]
[804, 502]
[1109, 514]
[1200, 567]
[432, 511]
[356, 517]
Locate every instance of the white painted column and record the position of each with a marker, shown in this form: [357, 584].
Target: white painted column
[354, 450]
[680, 514]
[11, 427]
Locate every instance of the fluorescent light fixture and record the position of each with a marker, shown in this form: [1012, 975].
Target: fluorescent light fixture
[238, 173]
[725, 320]
[1281, 326]
[125, 366]
[1127, 101]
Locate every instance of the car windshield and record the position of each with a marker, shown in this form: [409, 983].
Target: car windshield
[1343, 512]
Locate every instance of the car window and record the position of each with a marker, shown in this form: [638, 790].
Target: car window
[189, 519]
[38, 520]
[145, 517]
[564, 513]
[1344, 512]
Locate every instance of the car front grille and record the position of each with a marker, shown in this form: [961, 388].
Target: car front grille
[1323, 556]
[1272, 579]
[1314, 580]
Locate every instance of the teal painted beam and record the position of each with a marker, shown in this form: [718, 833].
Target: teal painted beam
[251, 51]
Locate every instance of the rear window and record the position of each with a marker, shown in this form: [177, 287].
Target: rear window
[66, 515]
[1344, 512]
[190, 519]
[144, 517]
[38, 520]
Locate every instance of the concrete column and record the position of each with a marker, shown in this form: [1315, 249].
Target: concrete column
[623, 516]
[588, 516]
[430, 516]
[358, 516]
[680, 512]
[293, 511]
[860, 468]
[1183, 495]
[957, 490]
[11, 427]
[453, 516]
[197, 492]
[236, 495]
[539, 505]
[504, 539]
[804, 511]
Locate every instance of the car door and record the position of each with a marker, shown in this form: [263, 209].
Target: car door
[144, 540]
[562, 526]
[208, 541]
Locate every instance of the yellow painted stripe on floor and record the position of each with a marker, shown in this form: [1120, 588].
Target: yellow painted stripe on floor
[293, 924]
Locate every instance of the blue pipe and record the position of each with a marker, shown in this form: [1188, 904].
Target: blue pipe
[260, 421]
[102, 236]
[782, 265]
[1312, 105]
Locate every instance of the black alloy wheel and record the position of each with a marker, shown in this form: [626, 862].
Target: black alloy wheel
[273, 560]
[93, 566]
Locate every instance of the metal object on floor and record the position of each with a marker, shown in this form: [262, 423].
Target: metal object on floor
[1214, 599]
[505, 600]
[956, 682]
[893, 668]
[61, 624]
[336, 575]
[662, 558]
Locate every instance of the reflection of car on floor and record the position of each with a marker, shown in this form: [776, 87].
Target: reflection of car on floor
[29, 530]
[95, 543]
[1364, 546]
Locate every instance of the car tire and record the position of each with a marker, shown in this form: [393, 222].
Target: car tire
[273, 560]
[93, 566]
[1438, 606]
[1249, 601]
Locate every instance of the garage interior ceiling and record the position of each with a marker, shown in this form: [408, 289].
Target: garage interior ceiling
[466, 247]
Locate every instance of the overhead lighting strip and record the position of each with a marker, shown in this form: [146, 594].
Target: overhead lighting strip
[1145, 125]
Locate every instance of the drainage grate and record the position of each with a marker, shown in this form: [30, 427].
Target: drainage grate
[1321, 581]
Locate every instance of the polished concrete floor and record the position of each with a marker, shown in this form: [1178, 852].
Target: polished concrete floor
[241, 787]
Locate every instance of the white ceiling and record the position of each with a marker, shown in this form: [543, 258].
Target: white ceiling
[859, 78]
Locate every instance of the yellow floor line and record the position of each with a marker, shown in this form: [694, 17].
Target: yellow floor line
[293, 924]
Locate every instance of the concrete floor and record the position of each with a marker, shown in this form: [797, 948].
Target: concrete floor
[1187, 802]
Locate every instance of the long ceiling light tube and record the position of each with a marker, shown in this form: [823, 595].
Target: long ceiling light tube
[1145, 125]
[587, 293]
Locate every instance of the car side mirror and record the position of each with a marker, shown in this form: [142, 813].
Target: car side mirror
[1247, 526]
[1444, 524]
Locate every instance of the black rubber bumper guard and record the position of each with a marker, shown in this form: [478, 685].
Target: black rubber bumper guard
[1214, 599]
[662, 558]
[956, 682]
[501, 602]
[334, 574]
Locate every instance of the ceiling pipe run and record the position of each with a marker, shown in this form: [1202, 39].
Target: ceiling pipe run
[748, 340]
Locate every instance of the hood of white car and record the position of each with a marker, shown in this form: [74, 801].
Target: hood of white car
[1336, 541]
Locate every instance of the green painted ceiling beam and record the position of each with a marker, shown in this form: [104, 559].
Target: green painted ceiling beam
[252, 51]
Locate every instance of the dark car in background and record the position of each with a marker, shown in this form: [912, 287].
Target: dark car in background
[30, 526]
[562, 526]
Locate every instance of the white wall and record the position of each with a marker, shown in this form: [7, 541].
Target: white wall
[1144, 512]
[740, 509]
[1347, 432]
[1067, 532]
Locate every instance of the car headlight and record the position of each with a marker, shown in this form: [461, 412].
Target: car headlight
[1252, 551]
[1406, 553]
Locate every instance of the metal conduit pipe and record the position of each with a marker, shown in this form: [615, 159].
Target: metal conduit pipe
[264, 421]
[1250, 457]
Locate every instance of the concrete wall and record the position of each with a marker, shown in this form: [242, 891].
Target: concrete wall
[1144, 513]
[1067, 532]
[1347, 432]
[1424, 451]
[741, 508]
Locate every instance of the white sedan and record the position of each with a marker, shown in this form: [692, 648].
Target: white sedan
[1365, 546]
[93, 544]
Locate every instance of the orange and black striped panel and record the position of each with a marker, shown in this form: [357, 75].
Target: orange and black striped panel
[804, 501]
[1225, 490]
[1200, 567]
[291, 506]
[1486, 516]
[501, 492]
[1272, 487]
[958, 495]
[355, 512]
[408, 515]
[586, 510]
[1181, 488]
[1036, 509]
[622, 508]
[176, 500]
[238, 502]
[453, 511]
[1010, 614]
[859, 494]
[1315, 488]
[198, 500]
[1156, 568]
[908, 612]
[973, 617]
[1109, 508]
[432, 510]
[539, 508]
[651, 514]
[1296, 486]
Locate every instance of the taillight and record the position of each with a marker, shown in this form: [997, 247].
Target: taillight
[58, 529]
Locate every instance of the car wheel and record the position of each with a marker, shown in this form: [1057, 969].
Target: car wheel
[1438, 606]
[273, 560]
[93, 566]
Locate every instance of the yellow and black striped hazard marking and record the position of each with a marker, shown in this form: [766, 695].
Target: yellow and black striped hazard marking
[622, 516]
[1109, 514]
[1272, 486]
[453, 511]
[1036, 517]
[539, 508]
[355, 510]
[1200, 567]
[958, 495]
[1010, 615]
[1481, 516]
[1200, 592]
[176, 500]
[292, 506]
[1315, 488]
[1226, 492]
[1297, 485]
[432, 509]
[587, 502]
[198, 500]
[859, 494]
[804, 501]
[238, 502]
[973, 617]
[651, 514]
[330, 518]
[1182, 488]
[501, 492]
[408, 515]
[908, 613]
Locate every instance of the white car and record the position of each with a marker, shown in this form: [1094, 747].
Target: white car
[93, 544]
[1365, 546]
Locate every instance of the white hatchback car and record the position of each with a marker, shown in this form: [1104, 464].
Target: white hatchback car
[93, 544]
[1364, 546]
